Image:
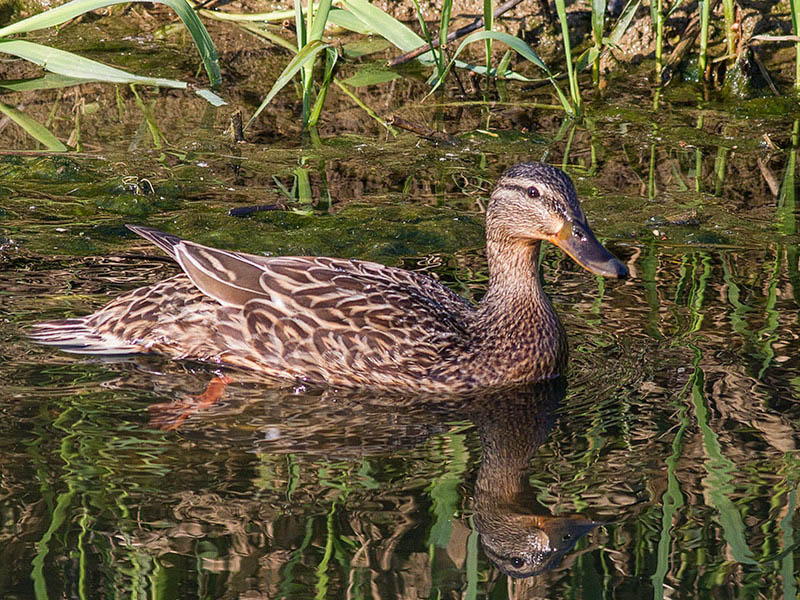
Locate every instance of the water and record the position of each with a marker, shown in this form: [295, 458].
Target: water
[674, 441]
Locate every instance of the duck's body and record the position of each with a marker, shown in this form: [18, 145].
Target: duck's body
[356, 323]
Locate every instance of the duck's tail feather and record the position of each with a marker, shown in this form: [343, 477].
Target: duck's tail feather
[78, 336]
[165, 241]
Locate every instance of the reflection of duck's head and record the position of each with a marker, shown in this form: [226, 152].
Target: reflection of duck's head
[512, 426]
[525, 545]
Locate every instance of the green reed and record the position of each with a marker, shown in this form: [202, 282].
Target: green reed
[794, 6]
[657, 17]
[64, 69]
[728, 10]
[77, 69]
[719, 481]
[598, 19]
[704, 6]
[572, 75]
[310, 26]
[488, 25]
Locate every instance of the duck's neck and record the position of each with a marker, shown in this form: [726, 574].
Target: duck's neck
[520, 330]
[513, 272]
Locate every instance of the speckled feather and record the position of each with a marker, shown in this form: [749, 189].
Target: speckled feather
[348, 322]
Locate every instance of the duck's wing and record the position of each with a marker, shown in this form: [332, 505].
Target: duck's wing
[231, 278]
[319, 316]
[355, 322]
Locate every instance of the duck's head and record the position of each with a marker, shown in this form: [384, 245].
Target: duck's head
[534, 201]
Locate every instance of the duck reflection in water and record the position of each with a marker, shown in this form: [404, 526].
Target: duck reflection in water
[517, 534]
[519, 538]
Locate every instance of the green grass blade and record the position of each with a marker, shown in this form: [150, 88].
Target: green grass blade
[516, 44]
[35, 129]
[370, 74]
[320, 20]
[623, 22]
[65, 12]
[386, 26]
[330, 62]
[436, 54]
[348, 20]
[488, 25]
[55, 16]
[299, 25]
[587, 58]
[704, 6]
[202, 40]
[72, 65]
[598, 18]
[48, 81]
[444, 23]
[267, 17]
[794, 7]
[572, 76]
[364, 107]
[308, 53]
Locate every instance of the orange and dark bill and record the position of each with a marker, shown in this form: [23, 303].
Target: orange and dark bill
[578, 241]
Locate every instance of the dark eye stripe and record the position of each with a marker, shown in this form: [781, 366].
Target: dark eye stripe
[517, 188]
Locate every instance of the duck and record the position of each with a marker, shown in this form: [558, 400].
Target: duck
[358, 324]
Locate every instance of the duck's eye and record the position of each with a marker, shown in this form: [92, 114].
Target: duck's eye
[533, 192]
[517, 562]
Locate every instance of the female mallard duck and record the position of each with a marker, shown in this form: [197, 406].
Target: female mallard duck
[354, 323]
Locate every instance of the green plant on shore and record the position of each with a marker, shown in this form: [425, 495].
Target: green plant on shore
[602, 43]
[76, 69]
[67, 68]
[310, 27]
[794, 6]
[444, 21]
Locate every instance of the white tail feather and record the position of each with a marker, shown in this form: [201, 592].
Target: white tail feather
[74, 335]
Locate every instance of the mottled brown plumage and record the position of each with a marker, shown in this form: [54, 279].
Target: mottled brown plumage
[356, 323]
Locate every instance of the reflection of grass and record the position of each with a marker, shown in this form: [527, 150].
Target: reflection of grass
[443, 490]
[84, 496]
[719, 468]
[672, 500]
[788, 571]
[692, 285]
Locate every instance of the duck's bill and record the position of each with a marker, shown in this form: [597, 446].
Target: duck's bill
[578, 241]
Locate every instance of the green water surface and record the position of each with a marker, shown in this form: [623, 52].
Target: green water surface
[678, 432]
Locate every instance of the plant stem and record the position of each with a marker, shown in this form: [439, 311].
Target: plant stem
[658, 21]
[795, 9]
[730, 35]
[572, 76]
[705, 8]
[488, 22]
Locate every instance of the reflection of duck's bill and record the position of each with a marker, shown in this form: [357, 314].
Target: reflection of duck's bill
[578, 241]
